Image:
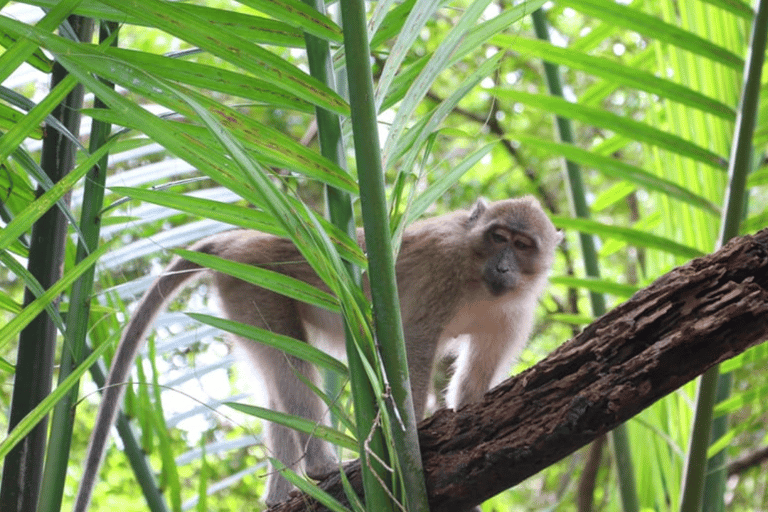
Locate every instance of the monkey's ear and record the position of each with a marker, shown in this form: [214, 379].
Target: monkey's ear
[477, 210]
[560, 236]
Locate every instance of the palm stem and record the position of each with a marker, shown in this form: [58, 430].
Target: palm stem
[389, 331]
[23, 468]
[577, 194]
[339, 204]
[738, 170]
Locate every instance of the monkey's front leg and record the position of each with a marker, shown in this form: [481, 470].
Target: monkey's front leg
[483, 363]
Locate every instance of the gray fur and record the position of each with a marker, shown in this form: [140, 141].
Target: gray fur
[468, 283]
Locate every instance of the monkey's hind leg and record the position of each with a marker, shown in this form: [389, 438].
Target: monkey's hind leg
[290, 395]
[282, 444]
[287, 393]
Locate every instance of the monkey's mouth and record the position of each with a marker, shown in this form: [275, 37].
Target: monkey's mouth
[499, 288]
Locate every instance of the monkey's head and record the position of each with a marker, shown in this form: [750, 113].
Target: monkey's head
[514, 241]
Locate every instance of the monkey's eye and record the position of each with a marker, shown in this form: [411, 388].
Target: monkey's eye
[523, 243]
[499, 236]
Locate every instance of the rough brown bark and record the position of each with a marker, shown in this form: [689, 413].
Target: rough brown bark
[690, 319]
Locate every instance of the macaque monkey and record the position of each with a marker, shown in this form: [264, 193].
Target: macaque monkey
[468, 283]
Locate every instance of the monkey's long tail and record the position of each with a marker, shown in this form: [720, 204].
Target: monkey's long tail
[161, 291]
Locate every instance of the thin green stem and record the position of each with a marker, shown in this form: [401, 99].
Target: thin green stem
[389, 330]
[578, 197]
[77, 320]
[717, 470]
[340, 211]
[739, 168]
[23, 468]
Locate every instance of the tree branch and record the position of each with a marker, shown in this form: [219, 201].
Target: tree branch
[696, 316]
[748, 462]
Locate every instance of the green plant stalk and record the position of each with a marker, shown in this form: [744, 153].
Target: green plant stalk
[717, 471]
[371, 437]
[389, 329]
[23, 467]
[77, 319]
[339, 203]
[75, 336]
[340, 212]
[577, 195]
[739, 167]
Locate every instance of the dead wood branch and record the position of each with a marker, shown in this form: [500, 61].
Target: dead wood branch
[690, 319]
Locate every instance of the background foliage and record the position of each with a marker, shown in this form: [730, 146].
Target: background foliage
[651, 89]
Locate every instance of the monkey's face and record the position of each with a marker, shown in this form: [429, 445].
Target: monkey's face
[513, 258]
[515, 242]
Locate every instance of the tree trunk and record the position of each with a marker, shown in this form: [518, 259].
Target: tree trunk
[690, 319]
